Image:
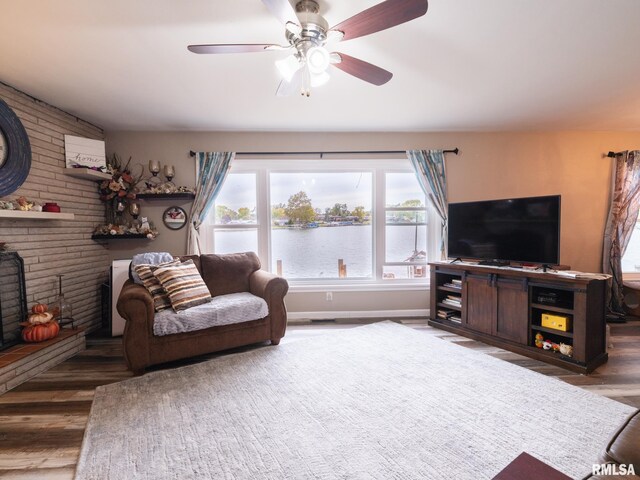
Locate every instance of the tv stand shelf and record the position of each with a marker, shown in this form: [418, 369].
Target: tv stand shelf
[540, 328]
[505, 307]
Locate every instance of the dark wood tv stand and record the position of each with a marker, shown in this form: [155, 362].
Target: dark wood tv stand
[503, 307]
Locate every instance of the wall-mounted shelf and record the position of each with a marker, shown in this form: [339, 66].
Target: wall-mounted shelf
[87, 174]
[132, 236]
[31, 215]
[166, 196]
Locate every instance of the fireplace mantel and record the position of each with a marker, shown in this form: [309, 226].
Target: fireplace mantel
[31, 215]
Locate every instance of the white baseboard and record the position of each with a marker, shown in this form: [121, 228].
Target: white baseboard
[330, 315]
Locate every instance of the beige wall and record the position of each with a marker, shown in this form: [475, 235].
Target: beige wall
[490, 165]
[54, 247]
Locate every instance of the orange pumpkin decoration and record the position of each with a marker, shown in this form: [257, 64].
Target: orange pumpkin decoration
[40, 332]
[39, 308]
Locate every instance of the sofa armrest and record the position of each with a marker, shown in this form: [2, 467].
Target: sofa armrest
[623, 447]
[135, 305]
[272, 289]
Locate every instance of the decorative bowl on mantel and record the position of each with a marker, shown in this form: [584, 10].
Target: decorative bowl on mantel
[51, 207]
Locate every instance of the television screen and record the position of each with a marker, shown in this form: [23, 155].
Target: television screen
[518, 229]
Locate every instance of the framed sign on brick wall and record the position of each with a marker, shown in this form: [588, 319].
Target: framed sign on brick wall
[84, 152]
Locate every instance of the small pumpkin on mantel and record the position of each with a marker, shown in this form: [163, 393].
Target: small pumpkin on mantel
[39, 308]
[40, 332]
[39, 318]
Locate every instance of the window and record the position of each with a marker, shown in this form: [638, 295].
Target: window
[321, 225]
[405, 227]
[327, 221]
[631, 258]
[233, 221]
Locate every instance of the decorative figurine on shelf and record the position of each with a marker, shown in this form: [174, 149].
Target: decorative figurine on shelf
[144, 224]
[547, 345]
[539, 340]
[566, 349]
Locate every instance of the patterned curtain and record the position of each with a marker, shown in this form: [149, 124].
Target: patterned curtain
[623, 214]
[430, 169]
[212, 169]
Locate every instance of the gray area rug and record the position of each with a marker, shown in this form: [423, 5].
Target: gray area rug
[380, 401]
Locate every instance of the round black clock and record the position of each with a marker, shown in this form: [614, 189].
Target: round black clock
[15, 151]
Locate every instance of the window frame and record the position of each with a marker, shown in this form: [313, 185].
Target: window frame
[263, 168]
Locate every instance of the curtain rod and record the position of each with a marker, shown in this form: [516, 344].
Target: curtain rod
[613, 154]
[369, 152]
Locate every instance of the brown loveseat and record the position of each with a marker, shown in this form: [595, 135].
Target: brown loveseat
[223, 274]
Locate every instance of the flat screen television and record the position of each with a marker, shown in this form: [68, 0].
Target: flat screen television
[524, 230]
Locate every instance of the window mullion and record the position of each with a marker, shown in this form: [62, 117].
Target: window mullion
[379, 222]
[264, 218]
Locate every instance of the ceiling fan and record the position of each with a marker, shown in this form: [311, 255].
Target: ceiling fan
[308, 34]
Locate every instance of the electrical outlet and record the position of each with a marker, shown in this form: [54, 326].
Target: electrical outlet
[329, 296]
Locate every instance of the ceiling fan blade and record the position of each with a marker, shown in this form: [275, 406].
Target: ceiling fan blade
[382, 16]
[233, 48]
[283, 11]
[363, 70]
[286, 89]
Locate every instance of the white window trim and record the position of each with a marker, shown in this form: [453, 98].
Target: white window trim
[378, 168]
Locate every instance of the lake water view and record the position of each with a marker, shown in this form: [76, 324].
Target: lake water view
[314, 252]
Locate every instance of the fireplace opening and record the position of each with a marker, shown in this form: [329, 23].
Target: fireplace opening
[13, 298]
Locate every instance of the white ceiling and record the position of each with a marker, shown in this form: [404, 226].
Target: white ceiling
[465, 65]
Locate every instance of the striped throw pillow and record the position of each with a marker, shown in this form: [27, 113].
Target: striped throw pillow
[184, 285]
[145, 272]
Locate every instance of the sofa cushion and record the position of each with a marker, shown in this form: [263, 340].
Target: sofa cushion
[222, 310]
[183, 284]
[145, 274]
[229, 273]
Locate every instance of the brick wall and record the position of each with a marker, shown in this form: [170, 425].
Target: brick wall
[51, 247]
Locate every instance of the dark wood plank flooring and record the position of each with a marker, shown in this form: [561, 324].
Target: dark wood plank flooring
[42, 421]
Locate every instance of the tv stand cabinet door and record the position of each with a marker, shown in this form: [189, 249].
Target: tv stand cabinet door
[480, 303]
[513, 308]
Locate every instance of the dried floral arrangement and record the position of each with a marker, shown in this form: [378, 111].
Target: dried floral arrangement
[20, 203]
[122, 185]
[120, 189]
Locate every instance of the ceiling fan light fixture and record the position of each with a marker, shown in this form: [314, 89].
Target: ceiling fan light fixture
[288, 66]
[319, 79]
[318, 59]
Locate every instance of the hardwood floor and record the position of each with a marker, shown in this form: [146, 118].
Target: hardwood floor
[42, 421]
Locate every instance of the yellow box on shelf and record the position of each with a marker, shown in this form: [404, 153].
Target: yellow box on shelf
[556, 322]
